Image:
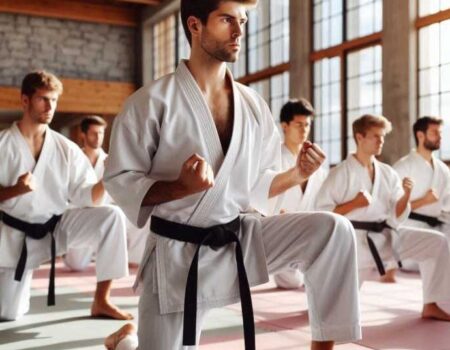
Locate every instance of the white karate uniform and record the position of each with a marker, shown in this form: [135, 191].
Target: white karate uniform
[427, 247]
[426, 177]
[295, 200]
[63, 176]
[77, 259]
[161, 126]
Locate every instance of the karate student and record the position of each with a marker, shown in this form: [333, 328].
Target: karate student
[195, 150]
[77, 259]
[295, 119]
[430, 197]
[373, 197]
[42, 172]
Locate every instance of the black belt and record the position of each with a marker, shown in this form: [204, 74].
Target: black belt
[430, 220]
[376, 227]
[214, 237]
[35, 231]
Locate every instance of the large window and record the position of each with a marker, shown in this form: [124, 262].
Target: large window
[347, 70]
[164, 47]
[327, 101]
[434, 65]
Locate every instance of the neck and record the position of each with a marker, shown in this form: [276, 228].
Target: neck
[294, 148]
[425, 153]
[92, 154]
[365, 159]
[209, 73]
[30, 129]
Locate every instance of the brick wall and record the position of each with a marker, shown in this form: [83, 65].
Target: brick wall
[70, 49]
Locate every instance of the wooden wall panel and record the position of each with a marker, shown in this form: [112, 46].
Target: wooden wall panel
[80, 96]
[74, 10]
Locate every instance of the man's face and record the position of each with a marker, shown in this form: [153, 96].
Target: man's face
[372, 142]
[221, 36]
[432, 137]
[297, 130]
[94, 136]
[41, 106]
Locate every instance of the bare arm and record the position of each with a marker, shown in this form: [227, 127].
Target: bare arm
[196, 175]
[429, 198]
[402, 203]
[309, 160]
[362, 199]
[98, 191]
[25, 183]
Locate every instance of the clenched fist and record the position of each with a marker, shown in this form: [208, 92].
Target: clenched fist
[26, 183]
[310, 158]
[196, 175]
[362, 199]
[407, 185]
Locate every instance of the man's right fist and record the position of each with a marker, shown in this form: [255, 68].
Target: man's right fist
[196, 175]
[362, 199]
[26, 183]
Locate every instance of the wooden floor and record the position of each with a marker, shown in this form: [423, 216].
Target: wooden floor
[390, 314]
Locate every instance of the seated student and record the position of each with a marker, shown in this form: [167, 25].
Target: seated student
[42, 173]
[376, 201]
[77, 259]
[295, 119]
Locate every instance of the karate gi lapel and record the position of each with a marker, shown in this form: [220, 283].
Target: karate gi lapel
[221, 165]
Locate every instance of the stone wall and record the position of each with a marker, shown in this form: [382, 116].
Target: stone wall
[70, 49]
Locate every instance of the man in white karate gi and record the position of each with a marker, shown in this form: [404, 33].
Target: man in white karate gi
[430, 197]
[295, 119]
[196, 150]
[42, 173]
[77, 259]
[373, 197]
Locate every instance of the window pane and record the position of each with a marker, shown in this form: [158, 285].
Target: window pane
[364, 89]
[184, 49]
[327, 97]
[364, 17]
[164, 47]
[258, 37]
[434, 73]
[327, 23]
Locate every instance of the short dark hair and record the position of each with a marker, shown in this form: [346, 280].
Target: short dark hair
[423, 123]
[295, 107]
[92, 120]
[368, 121]
[201, 9]
[40, 80]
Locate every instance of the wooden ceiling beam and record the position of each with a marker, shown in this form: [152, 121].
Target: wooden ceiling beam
[143, 2]
[74, 10]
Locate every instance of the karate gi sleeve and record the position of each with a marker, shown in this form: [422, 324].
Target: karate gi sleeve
[82, 179]
[397, 193]
[328, 196]
[269, 163]
[446, 193]
[134, 140]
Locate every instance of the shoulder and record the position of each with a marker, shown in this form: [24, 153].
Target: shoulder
[64, 144]
[403, 162]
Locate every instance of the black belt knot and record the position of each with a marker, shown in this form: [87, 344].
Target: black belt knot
[430, 220]
[214, 237]
[376, 227]
[35, 231]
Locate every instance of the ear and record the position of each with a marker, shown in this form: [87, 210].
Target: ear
[194, 24]
[284, 126]
[359, 137]
[420, 135]
[25, 100]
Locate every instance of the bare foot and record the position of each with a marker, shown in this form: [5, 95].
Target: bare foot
[113, 339]
[434, 312]
[105, 309]
[389, 277]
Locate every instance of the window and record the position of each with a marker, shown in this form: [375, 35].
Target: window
[183, 47]
[164, 47]
[434, 66]
[346, 60]
[327, 97]
[363, 87]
